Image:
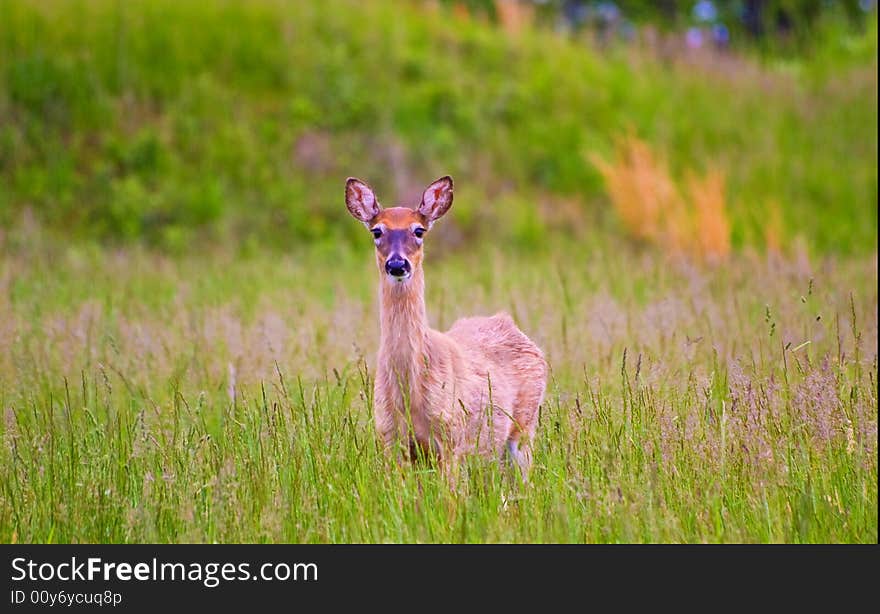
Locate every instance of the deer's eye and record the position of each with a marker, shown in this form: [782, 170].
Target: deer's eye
[419, 232]
[377, 232]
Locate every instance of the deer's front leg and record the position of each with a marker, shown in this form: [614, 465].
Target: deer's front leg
[386, 425]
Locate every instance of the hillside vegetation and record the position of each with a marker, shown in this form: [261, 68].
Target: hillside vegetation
[184, 123]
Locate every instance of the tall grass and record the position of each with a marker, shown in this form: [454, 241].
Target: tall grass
[654, 207]
[220, 399]
[187, 313]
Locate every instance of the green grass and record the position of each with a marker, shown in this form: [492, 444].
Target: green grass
[224, 399]
[188, 316]
[179, 123]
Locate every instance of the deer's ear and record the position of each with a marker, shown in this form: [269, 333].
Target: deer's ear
[360, 200]
[437, 199]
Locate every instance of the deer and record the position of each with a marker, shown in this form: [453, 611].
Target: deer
[473, 389]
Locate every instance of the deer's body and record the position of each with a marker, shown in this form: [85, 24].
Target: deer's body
[473, 389]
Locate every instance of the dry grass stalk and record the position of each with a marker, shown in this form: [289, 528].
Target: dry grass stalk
[654, 208]
[514, 15]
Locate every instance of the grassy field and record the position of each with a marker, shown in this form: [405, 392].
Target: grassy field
[188, 319]
[219, 399]
[171, 121]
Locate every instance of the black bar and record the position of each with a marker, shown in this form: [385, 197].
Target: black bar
[395, 575]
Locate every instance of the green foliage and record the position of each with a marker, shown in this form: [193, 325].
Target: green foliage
[180, 123]
[215, 399]
[218, 388]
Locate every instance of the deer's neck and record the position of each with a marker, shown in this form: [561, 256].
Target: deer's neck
[403, 325]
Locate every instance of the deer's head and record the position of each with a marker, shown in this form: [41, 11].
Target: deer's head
[398, 232]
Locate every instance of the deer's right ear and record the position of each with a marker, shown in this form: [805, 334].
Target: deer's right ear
[360, 200]
[436, 200]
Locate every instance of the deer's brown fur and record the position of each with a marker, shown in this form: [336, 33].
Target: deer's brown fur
[475, 388]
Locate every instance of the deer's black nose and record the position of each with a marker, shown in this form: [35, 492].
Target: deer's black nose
[397, 266]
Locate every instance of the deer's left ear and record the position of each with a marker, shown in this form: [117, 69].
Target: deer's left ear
[361, 201]
[437, 199]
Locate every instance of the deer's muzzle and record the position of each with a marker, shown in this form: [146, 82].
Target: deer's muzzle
[398, 267]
